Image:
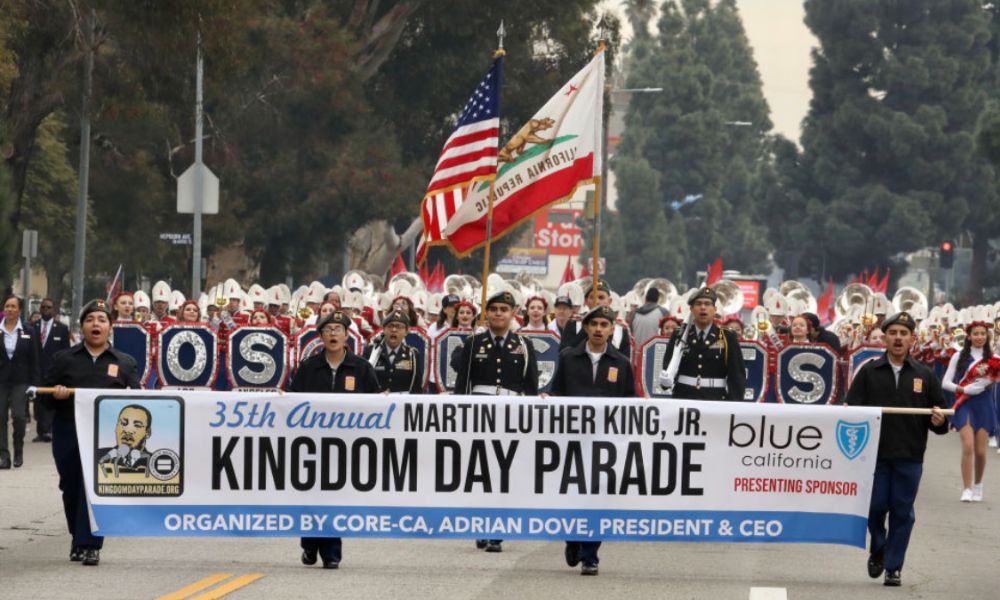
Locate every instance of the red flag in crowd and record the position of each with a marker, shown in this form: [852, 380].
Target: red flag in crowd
[714, 272]
[436, 283]
[585, 272]
[883, 285]
[873, 280]
[423, 274]
[824, 304]
[397, 266]
[568, 275]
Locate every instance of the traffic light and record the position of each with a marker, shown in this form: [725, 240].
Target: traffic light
[946, 256]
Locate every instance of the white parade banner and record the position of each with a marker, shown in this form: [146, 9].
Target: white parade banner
[161, 463]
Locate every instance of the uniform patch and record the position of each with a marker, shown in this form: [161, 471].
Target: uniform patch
[112, 370]
[613, 374]
[404, 364]
[918, 385]
[349, 383]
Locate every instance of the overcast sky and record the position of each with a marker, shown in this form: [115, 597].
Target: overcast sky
[781, 43]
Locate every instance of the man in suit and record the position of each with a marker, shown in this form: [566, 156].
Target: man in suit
[52, 337]
[18, 370]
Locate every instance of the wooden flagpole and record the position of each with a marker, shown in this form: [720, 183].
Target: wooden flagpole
[595, 264]
[492, 195]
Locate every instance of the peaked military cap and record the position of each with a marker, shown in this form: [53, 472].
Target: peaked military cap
[396, 316]
[96, 305]
[503, 297]
[706, 293]
[337, 317]
[901, 318]
[602, 286]
[600, 312]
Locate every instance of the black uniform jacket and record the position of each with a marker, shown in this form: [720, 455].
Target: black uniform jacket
[574, 374]
[718, 357]
[512, 366]
[573, 335]
[405, 374]
[354, 376]
[57, 341]
[74, 368]
[23, 368]
[904, 437]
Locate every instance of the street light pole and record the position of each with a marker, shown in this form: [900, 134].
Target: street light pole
[80, 245]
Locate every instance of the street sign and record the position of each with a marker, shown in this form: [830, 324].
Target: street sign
[186, 190]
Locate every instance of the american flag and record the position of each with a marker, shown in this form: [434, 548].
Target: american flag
[469, 155]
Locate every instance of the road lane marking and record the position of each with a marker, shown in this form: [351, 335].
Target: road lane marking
[196, 587]
[768, 593]
[229, 586]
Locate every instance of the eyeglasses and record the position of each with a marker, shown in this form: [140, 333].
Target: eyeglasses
[333, 330]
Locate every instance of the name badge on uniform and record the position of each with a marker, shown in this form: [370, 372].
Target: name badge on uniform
[404, 365]
[349, 383]
[25, 336]
[112, 370]
[613, 374]
[918, 385]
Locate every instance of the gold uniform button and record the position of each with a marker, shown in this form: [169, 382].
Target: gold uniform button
[498, 381]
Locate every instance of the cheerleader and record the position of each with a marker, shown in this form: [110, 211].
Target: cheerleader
[975, 419]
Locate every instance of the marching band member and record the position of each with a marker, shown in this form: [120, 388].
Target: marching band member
[334, 370]
[173, 311]
[897, 380]
[711, 367]
[799, 330]
[124, 307]
[143, 306]
[449, 305]
[497, 362]
[975, 418]
[537, 309]
[668, 325]
[397, 364]
[260, 318]
[592, 369]
[189, 312]
[465, 315]
[735, 324]
[161, 300]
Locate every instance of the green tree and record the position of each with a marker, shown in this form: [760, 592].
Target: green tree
[704, 135]
[888, 141]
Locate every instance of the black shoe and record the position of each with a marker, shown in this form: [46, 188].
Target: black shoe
[331, 564]
[572, 554]
[588, 569]
[875, 566]
[46, 437]
[309, 557]
[91, 557]
[4, 461]
[18, 458]
[480, 544]
[38, 438]
[893, 578]
[492, 546]
[75, 554]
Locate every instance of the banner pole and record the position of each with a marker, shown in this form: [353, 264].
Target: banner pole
[599, 151]
[486, 253]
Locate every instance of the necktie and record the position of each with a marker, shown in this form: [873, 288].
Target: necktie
[392, 357]
[45, 332]
[701, 337]
[498, 341]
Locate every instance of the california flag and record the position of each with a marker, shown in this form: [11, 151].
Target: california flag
[553, 154]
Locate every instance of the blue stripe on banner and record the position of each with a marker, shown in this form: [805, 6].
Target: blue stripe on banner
[478, 523]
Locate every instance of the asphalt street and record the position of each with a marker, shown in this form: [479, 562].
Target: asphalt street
[954, 553]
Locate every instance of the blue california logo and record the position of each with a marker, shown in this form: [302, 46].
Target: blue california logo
[852, 438]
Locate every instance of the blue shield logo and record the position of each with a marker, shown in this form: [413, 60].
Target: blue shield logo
[852, 438]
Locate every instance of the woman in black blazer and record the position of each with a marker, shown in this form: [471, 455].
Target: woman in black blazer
[19, 368]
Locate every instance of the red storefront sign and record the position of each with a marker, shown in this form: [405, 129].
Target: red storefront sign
[556, 231]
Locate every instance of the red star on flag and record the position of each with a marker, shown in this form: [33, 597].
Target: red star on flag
[572, 88]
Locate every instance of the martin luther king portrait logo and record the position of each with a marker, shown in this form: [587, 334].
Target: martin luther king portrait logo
[139, 446]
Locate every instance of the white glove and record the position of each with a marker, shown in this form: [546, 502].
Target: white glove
[31, 392]
[666, 382]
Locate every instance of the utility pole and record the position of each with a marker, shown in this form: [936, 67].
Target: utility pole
[80, 245]
[199, 182]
